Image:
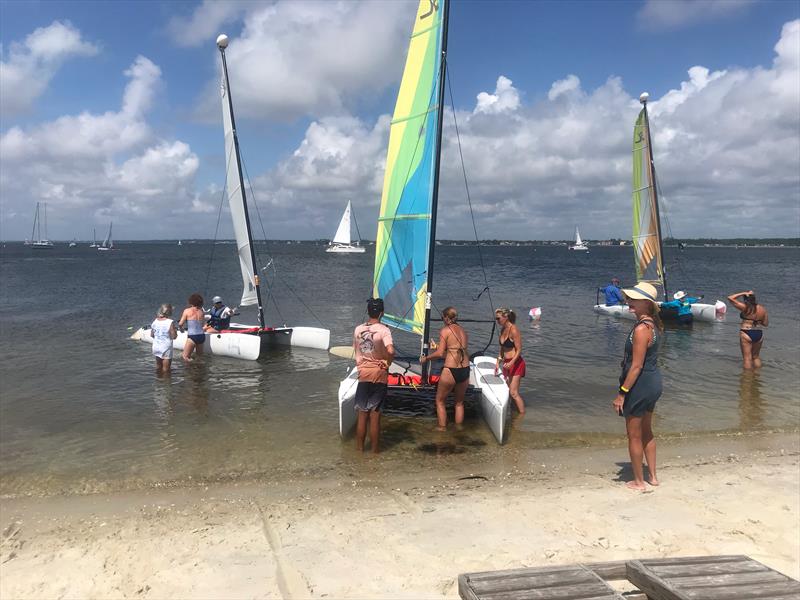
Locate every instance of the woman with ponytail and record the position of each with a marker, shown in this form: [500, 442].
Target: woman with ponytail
[640, 382]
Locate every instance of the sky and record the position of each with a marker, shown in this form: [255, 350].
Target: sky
[109, 111]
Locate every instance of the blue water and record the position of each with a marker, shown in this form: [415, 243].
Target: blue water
[81, 409]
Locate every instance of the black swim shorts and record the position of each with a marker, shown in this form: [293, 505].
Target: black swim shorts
[370, 396]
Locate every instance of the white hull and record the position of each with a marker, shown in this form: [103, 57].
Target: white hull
[579, 248]
[346, 249]
[248, 346]
[700, 312]
[494, 397]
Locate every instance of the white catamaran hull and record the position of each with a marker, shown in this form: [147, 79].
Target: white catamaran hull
[700, 312]
[346, 249]
[494, 397]
[248, 345]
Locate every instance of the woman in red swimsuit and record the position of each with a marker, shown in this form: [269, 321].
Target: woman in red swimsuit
[510, 354]
[751, 336]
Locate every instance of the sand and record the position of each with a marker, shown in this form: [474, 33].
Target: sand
[407, 536]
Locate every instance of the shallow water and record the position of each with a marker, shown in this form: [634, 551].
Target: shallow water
[80, 407]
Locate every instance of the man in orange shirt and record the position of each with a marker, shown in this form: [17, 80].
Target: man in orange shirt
[374, 351]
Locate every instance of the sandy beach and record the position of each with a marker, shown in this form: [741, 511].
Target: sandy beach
[409, 536]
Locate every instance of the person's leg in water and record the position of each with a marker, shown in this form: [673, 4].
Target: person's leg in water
[459, 391]
[755, 352]
[633, 426]
[188, 348]
[747, 350]
[374, 431]
[443, 389]
[513, 389]
[649, 446]
[361, 429]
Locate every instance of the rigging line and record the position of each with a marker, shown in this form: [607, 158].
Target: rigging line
[355, 221]
[471, 212]
[216, 229]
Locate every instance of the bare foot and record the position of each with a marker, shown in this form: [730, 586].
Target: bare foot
[653, 481]
[632, 485]
[440, 428]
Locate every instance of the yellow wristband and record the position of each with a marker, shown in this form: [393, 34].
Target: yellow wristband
[622, 388]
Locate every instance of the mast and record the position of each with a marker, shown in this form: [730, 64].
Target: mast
[34, 237]
[222, 43]
[435, 198]
[643, 99]
[45, 221]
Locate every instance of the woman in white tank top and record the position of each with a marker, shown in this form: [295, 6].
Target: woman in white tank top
[162, 330]
[194, 318]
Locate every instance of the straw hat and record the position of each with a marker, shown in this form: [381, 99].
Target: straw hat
[642, 291]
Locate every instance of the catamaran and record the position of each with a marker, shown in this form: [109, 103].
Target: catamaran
[579, 245]
[404, 247]
[244, 341]
[342, 241]
[648, 249]
[39, 242]
[108, 243]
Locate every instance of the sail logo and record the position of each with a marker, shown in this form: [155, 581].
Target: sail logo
[222, 87]
[433, 9]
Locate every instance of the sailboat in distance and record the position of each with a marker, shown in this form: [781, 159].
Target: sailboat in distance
[247, 342]
[405, 242]
[342, 241]
[94, 238]
[108, 243]
[579, 245]
[39, 242]
[648, 248]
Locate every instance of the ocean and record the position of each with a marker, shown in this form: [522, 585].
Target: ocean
[81, 409]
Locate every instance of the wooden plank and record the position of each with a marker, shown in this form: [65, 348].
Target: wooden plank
[655, 587]
[696, 581]
[609, 571]
[694, 560]
[532, 581]
[556, 583]
[670, 571]
[745, 592]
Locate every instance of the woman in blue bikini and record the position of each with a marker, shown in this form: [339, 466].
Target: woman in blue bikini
[751, 337]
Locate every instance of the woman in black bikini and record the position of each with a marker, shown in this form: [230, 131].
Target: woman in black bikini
[751, 337]
[455, 373]
[510, 354]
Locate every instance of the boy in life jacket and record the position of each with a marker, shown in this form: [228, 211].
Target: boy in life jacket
[219, 316]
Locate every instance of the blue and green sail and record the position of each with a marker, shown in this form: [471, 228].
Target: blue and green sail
[646, 245]
[404, 224]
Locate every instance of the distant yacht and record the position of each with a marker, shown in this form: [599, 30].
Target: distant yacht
[73, 243]
[39, 242]
[94, 239]
[579, 245]
[342, 241]
[180, 243]
[108, 243]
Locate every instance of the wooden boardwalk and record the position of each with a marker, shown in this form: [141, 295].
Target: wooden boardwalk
[692, 578]
[710, 578]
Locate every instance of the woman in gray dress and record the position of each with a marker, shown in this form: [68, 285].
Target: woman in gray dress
[640, 382]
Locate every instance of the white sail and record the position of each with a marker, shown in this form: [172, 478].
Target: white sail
[343, 232]
[236, 203]
[578, 241]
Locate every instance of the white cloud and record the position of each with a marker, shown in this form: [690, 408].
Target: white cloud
[673, 14]
[27, 69]
[725, 142]
[564, 87]
[310, 58]
[205, 22]
[95, 167]
[505, 98]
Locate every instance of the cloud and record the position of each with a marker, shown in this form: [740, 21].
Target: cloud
[96, 167]
[205, 22]
[725, 142]
[505, 98]
[30, 65]
[310, 58]
[674, 14]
